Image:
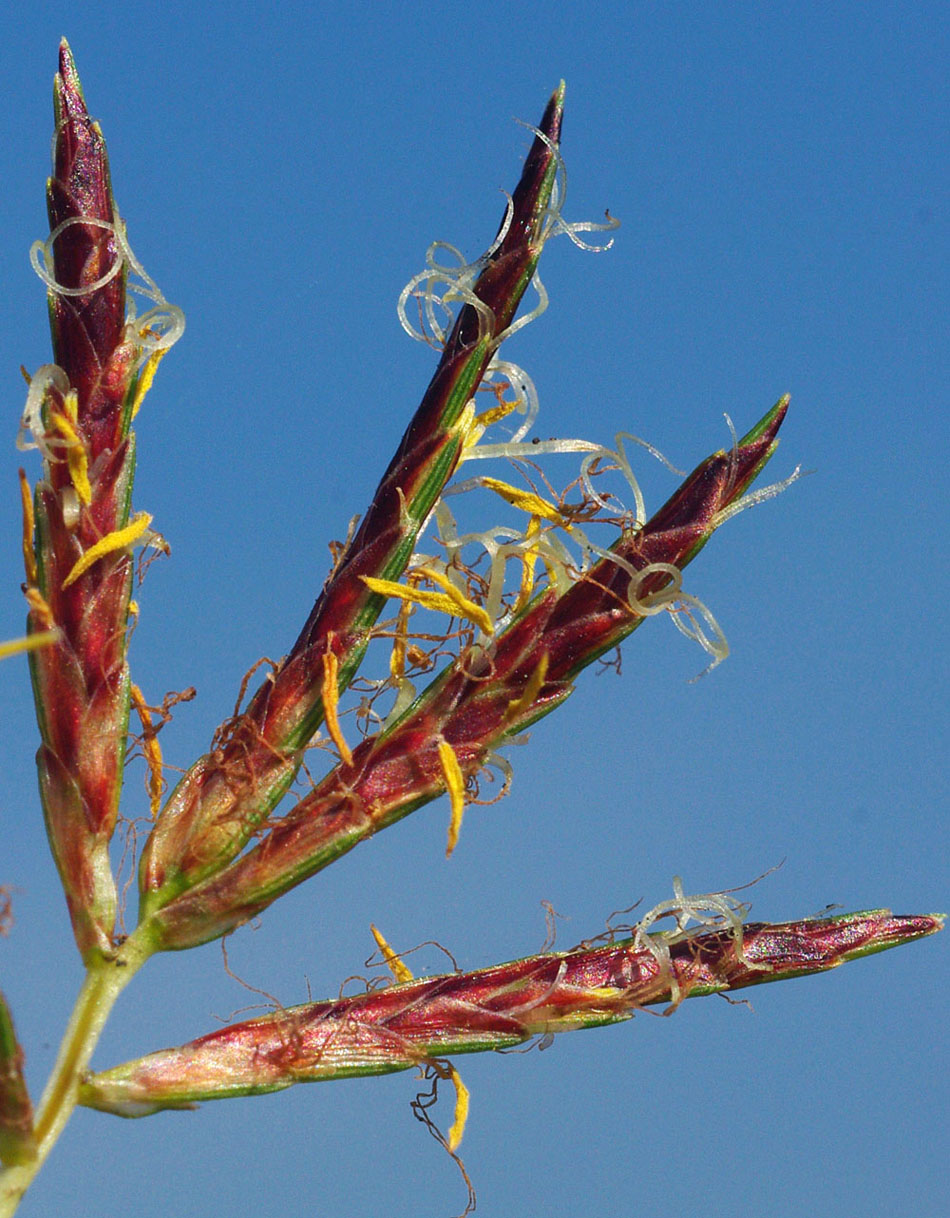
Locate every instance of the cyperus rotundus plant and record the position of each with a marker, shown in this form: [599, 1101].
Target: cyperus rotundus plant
[487, 631]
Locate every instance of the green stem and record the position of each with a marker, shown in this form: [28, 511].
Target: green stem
[104, 982]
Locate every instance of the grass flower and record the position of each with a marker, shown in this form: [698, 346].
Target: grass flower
[488, 631]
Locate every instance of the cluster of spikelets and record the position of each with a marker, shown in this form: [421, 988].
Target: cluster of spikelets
[487, 633]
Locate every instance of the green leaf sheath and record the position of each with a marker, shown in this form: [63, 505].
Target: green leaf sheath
[17, 1139]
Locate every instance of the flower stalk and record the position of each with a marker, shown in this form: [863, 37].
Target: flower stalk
[104, 981]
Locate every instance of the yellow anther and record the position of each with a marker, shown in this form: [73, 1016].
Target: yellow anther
[71, 406]
[466, 608]
[331, 699]
[606, 993]
[455, 785]
[529, 557]
[29, 558]
[400, 970]
[453, 603]
[121, 539]
[397, 658]
[525, 501]
[461, 1109]
[501, 411]
[151, 750]
[145, 378]
[472, 437]
[76, 459]
[519, 706]
[467, 425]
[30, 642]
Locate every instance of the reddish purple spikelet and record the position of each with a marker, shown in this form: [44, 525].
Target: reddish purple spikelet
[475, 706]
[508, 656]
[224, 797]
[88, 328]
[78, 580]
[412, 1023]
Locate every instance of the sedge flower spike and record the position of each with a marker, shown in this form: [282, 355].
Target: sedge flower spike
[420, 1020]
[476, 704]
[78, 560]
[223, 799]
[491, 656]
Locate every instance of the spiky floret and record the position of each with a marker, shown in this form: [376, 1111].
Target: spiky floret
[492, 691]
[78, 533]
[225, 797]
[511, 652]
[561, 573]
[415, 1021]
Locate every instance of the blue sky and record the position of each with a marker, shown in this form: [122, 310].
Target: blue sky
[781, 176]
